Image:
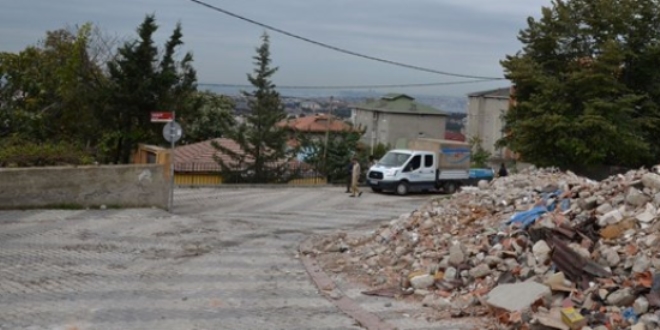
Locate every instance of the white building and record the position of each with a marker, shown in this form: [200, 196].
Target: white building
[485, 119]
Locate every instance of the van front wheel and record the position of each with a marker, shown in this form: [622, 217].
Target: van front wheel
[402, 188]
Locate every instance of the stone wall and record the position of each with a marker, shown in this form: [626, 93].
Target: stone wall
[84, 186]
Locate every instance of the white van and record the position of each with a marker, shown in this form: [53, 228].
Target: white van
[407, 170]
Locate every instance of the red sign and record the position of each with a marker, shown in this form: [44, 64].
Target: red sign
[161, 117]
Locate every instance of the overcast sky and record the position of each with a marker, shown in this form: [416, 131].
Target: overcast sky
[461, 36]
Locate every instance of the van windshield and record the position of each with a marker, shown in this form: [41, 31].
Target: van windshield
[394, 159]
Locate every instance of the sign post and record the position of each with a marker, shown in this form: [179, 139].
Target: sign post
[172, 132]
[170, 205]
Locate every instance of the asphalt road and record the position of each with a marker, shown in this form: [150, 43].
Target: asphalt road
[227, 259]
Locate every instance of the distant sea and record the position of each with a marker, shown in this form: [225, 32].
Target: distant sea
[456, 104]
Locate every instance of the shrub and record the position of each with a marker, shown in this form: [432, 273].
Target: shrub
[15, 152]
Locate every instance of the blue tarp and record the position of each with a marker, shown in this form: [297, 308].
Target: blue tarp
[481, 173]
[527, 218]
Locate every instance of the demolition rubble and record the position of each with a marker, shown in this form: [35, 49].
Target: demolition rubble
[538, 249]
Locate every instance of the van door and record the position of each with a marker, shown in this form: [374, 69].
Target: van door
[427, 171]
[413, 169]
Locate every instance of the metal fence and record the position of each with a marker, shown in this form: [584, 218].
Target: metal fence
[209, 174]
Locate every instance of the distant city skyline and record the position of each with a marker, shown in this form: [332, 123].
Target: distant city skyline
[466, 37]
[447, 103]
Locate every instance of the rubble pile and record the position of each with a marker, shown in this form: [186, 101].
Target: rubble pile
[541, 248]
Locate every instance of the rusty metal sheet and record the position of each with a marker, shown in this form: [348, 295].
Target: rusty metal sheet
[575, 267]
[566, 260]
[566, 231]
[595, 269]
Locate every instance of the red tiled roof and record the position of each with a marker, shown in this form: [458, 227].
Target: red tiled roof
[454, 136]
[202, 154]
[316, 124]
[199, 157]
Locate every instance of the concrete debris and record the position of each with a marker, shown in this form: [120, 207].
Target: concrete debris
[518, 296]
[436, 302]
[422, 281]
[527, 246]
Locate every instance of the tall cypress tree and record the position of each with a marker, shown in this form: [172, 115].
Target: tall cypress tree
[142, 80]
[263, 156]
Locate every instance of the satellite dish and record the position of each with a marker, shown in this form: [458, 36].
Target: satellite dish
[172, 132]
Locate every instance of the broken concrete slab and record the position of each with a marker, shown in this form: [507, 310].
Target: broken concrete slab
[517, 296]
[651, 180]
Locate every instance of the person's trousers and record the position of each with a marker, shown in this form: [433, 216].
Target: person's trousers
[349, 181]
[354, 188]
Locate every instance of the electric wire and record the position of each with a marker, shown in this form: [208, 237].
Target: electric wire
[342, 50]
[447, 83]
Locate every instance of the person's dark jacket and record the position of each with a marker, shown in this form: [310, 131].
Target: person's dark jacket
[503, 172]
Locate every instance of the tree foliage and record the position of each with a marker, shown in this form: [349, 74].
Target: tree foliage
[18, 152]
[333, 159]
[77, 89]
[587, 85]
[47, 91]
[264, 155]
[480, 156]
[144, 80]
[214, 115]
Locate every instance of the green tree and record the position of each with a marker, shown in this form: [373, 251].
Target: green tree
[48, 91]
[587, 85]
[380, 150]
[49, 94]
[214, 115]
[480, 156]
[145, 79]
[341, 147]
[264, 155]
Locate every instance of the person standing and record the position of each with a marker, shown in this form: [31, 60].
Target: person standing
[503, 172]
[355, 177]
[349, 176]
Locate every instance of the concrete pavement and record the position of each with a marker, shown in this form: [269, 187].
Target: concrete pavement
[227, 259]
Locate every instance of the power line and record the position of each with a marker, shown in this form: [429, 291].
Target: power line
[342, 50]
[357, 86]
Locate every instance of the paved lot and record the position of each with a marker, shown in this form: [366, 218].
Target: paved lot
[226, 260]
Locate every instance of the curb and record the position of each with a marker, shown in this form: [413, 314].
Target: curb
[329, 289]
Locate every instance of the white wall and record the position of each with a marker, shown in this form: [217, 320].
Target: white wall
[485, 121]
[390, 127]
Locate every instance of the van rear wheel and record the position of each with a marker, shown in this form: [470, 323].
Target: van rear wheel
[450, 187]
[402, 188]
